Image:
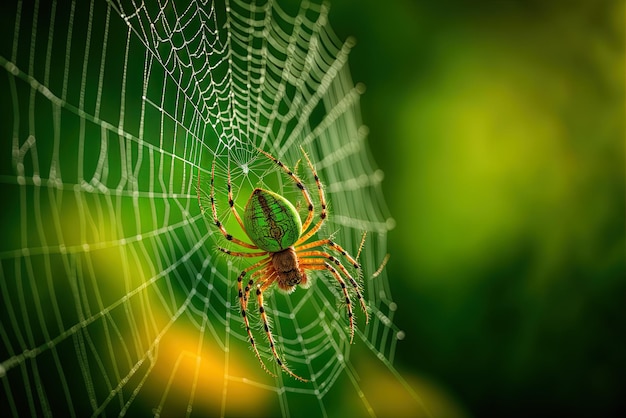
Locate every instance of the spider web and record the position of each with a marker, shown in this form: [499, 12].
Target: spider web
[114, 298]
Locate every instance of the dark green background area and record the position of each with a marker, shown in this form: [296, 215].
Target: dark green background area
[500, 128]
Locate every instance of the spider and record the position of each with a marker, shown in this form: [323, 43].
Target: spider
[275, 228]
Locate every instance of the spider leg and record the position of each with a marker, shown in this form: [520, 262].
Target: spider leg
[231, 201]
[216, 221]
[300, 185]
[243, 302]
[259, 295]
[332, 245]
[241, 254]
[345, 272]
[305, 237]
[314, 264]
[358, 253]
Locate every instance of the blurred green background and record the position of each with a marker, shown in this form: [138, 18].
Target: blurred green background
[500, 128]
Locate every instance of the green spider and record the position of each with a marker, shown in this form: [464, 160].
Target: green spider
[274, 226]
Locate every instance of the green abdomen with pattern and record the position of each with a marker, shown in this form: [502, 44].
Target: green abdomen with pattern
[271, 221]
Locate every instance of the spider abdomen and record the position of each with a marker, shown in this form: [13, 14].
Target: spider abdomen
[271, 221]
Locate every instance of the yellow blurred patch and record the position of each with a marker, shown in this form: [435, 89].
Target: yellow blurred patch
[389, 397]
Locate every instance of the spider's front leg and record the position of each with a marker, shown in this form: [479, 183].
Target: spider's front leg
[218, 224]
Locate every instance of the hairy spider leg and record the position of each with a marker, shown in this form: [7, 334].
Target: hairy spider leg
[300, 185]
[330, 243]
[261, 287]
[243, 302]
[381, 267]
[306, 236]
[340, 266]
[241, 253]
[317, 264]
[358, 253]
[231, 201]
[198, 190]
[216, 221]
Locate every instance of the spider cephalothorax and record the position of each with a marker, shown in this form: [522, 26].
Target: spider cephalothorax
[286, 266]
[274, 226]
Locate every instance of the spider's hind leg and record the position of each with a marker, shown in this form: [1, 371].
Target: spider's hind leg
[243, 303]
[259, 294]
[318, 264]
[344, 271]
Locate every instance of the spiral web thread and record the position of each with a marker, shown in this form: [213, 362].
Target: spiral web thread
[114, 299]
